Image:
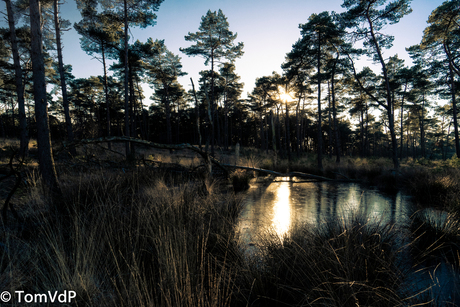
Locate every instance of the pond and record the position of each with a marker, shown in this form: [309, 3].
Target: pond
[277, 207]
[283, 203]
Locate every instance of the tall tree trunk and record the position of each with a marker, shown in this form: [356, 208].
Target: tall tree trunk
[361, 125]
[288, 134]
[132, 111]
[45, 154]
[329, 117]
[389, 107]
[126, 79]
[320, 133]
[402, 122]
[24, 134]
[168, 115]
[65, 101]
[454, 110]
[13, 121]
[197, 113]
[106, 94]
[422, 127]
[334, 113]
[297, 126]
[218, 126]
[262, 130]
[273, 131]
[278, 125]
[213, 114]
[226, 136]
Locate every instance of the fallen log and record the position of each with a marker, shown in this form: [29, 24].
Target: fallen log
[206, 157]
[290, 174]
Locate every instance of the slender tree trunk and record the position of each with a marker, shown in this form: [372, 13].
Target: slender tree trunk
[361, 127]
[278, 125]
[329, 117]
[106, 94]
[273, 131]
[132, 108]
[422, 127]
[320, 133]
[168, 115]
[197, 113]
[126, 79]
[218, 126]
[366, 131]
[402, 121]
[454, 110]
[297, 126]
[389, 107]
[65, 101]
[45, 154]
[13, 121]
[288, 134]
[262, 130]
[24, 134]
[213, 115]
[334, 114]
[226, 136]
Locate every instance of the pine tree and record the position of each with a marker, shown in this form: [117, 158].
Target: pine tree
[164, 68]
[214, 42]
[320, 38]
[442, 37]
[131, 13]
[24, 135]
[45, 154]
[100, 35]
[365, 19]
[58, 23]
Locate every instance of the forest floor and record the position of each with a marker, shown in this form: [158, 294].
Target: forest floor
[157, 231]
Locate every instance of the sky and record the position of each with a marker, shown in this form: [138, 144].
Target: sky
[268, 28]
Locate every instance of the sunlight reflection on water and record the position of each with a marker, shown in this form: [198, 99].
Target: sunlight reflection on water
[277, 207]
[281, 220]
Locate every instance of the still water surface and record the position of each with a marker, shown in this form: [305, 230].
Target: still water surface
[277, 207]
[280, 205]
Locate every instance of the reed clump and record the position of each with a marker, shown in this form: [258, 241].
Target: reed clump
[345, 262]
[439, 188]
[240, 180]
[435, 237]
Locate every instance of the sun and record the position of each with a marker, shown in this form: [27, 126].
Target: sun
[285, 96]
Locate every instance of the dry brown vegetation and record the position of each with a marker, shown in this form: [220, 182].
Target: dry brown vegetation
[149, 233]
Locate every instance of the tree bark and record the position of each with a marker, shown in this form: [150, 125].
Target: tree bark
[197, 113]
[288, 134]
[106, 94]
[45, 154]
[389, 107]
[65, 101]
[334, 113]
[24, 134]
[454, 110]
[126, 79]
[320, 133]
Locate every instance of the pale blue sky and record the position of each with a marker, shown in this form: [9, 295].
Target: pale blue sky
[268, 28]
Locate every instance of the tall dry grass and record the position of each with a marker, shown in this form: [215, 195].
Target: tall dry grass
[346, 262]
[144, 237]
[128, 239]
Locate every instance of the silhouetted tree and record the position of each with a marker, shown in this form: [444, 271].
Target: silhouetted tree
[213, 41]
[45, 154]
